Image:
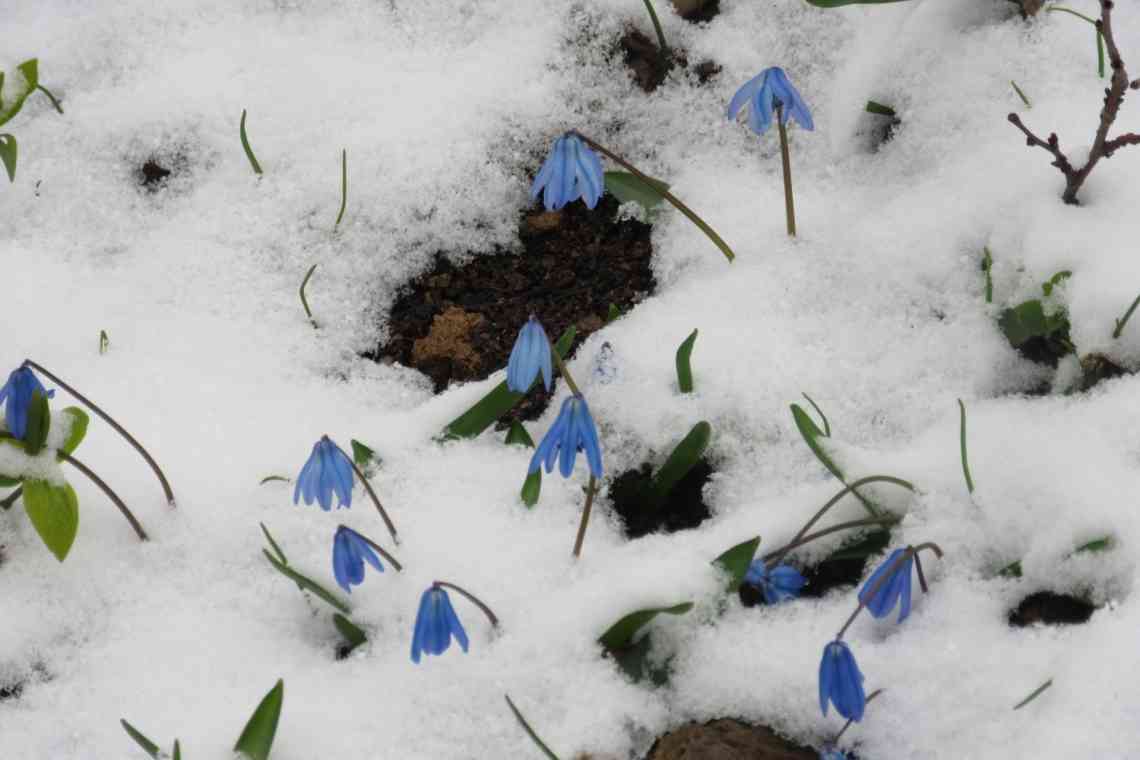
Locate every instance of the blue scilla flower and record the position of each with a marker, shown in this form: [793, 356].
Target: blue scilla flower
[530, 355]
[778, 584]
[572, 171]
[881, 597]
[767, 90]
[840, 682]
[17, 395]
[350, 551]
[436, 623]
[327, 470]
[572, 432]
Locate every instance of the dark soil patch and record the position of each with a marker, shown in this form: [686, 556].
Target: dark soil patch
[697, 11]
[11, 690]
[649, 67]
[1050, 609]
[1028, 8]
[844, 568]
[152, 174]
[726, 739]
[1046, 350]
[1098, 367]
[459, 323]
[684, 507]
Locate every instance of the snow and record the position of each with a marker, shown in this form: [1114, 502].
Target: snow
[444, 108]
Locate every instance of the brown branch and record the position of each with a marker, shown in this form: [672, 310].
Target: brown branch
[1102, 146]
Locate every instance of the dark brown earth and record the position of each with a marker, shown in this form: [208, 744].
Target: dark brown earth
[684, 508]
[152, 174]
[726, 739]
[649, 68]
[1051, 609]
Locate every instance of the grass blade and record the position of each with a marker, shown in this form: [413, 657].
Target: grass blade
[246, 147]
[530, 731]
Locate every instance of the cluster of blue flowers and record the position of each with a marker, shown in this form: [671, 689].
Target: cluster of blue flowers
[16, 395]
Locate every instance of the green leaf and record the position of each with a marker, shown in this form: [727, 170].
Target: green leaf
[498, 402]
[361, 454]
[177, 750]
[276, 549]
[532, 488]
[54, 512]
[620, 635]
[246, 146]
[7, 482]
[79, 422]
[811, 433]
[257, 738]
[530, 731]
[104, 342]
[518, 434]
[39, 423]
[682, 459]
[1054, 281]
[1096, 545]
[273, 479]
[872, 543]
[987, 267]
[307, 584]
[1024, 321]
[352, 634]
[684, 369]
[9, 152]
[147, 745]
[840, 3]
[30, 71]
[1012, 570]
[736, 561]
[628, 187]
[879, 109]
[613, 313]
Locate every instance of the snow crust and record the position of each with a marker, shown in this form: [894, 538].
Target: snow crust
[445, 108]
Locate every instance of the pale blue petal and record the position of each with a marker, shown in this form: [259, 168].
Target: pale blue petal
[744, 94]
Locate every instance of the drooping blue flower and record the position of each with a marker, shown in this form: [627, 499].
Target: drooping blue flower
[350, 552]
[895, 588]
[831, 752]
[572, 432]
[779, 584]
[16, 394]
[840, 682]
[530, 355]
[572, 171]
[764, 92]
[327, 471]
[436, 623]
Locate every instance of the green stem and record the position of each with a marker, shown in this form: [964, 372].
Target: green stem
[1034, 695]
[51, 97]
[305, 301]
[1021, 94]
[563, 371]
[530, 731]
[864, 522]
[471, 598]
[1120, 323]
[785, 156]
[847, 725]
[591, 487]
[372, 495]
[962, 444]
[246, 146]
[376, 546]
[1099, 36]
[657, 28]
[114, 497]
[10, 499]
[700, 223]
[343, 186]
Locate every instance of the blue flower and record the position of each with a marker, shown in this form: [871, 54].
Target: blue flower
[766, 90]
[328, 470]
[530, 354]
[831, 752]
[17, 392]
[350, 550]
[780, 584]
[572, 432]
[571, 171]
[894, 588]
[840, 682]
[436, 623]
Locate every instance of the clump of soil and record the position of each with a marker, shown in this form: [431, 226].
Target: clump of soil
[1050, 609]
[459, 323]
[1098, 367]
[726, 739]
[650, 68]
[684, 507]
[152, 174]
[697, 11]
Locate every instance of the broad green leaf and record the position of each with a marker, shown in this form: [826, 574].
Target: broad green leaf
[635, 662]
[532, 488]
[1024, 321]
[79, 422]
[9, 107]
[39, 423]
[498, 402]
[352, 633]
[840, 3]
[530, 731]
[811, 433]
[620, 635]
[307, 584]
[147, 745]
[518, 434]
[682, 459]
[54, 512]
[361, 454]
[257, 738]
[628, 187]
[684, 368]
[9, 152]
[736, 561]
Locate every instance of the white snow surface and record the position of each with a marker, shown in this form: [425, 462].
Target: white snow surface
[446, 109]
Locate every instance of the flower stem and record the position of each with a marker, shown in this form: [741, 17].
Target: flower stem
[660, 34]
[10, 499]
[107, 490]
[874, 589]
[563, 371]
[372, 495]
[701, 225]
[591, 488]
[783, 550]
[375, 546]
[107, 418]
[471, 598]
[785, 156]
[54, 102]
[305, 301]
[847, 725]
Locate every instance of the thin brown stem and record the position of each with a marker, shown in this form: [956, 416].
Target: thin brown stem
[114, 497]
[374, 545]
[783, 550]
[591, 487]
[563, 371]
[847, 725]
[108, 419]
[471, 598]
[372, 495]
[786, 158]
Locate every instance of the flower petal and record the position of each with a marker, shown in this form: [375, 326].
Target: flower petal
[744, 94]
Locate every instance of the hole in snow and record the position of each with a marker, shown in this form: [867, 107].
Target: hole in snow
[1051, 609]
[152, 174]
[697, 11]
[459, 322]
[649, 69]
[726, 738]
[1096, 368]
[845, 567]
[684, 507]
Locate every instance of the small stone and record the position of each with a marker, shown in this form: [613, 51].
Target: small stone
[726, 739]
[544, 221]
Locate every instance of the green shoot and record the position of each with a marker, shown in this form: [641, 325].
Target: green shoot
[343, 186]
[246, 147]
[1120, 323]
[305, 301]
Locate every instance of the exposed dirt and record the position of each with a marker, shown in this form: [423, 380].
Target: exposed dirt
[1098, 367]
[459, 323]
[726, 739]
[697, 11]
[650, 68]
[1050, 609]
[844, 568]
[152, 175]
[684, 508]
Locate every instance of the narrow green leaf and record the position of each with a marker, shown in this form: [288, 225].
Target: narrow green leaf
[273, 479]
[811, 434]
[620, 634]
[304, 299]
[613, 313]
[987, 268]
[307, 584]
[276, 549]
[530, 731]
[682, 459]
[517, 434]
[29, 70]
[8, 154]
[147, 745]
[353, 635]
[361, 454]
[1034, 694]
[879, 109]
[54, 512]
[684, 368]
[1054, 281]
[39, 423]
[257, 738]
[177, 750]
[1120, 323]
[962, 445]
[627, 187]
[79, 422]
[1012, 570]
[498, 402]
[736, 561]
[532, 488]
[245, 146]
[1096, 545]
[822, 416]
[343, 186]
[104, 342]
[1021, 94]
